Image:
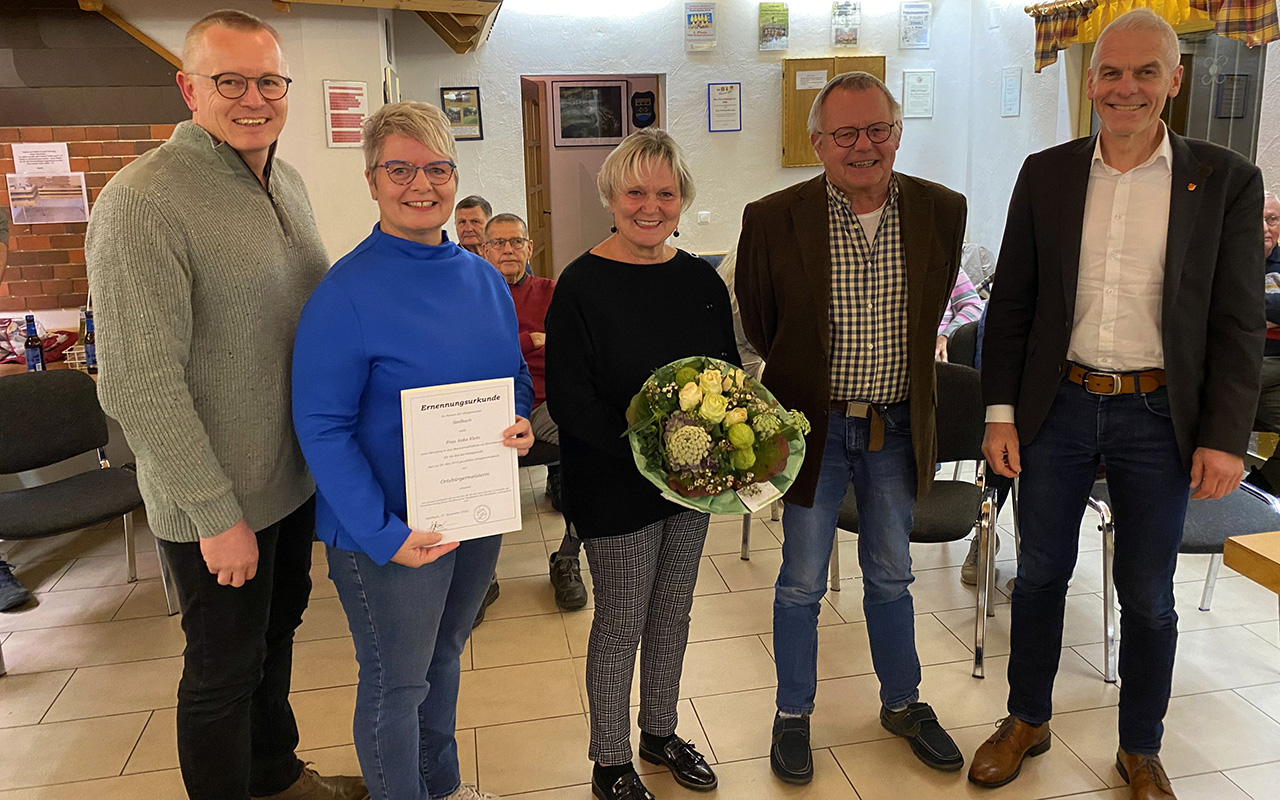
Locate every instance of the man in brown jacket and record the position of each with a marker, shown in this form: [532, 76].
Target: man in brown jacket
[842, 281]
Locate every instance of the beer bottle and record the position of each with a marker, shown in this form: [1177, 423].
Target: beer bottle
[90, 348]
[34, 347]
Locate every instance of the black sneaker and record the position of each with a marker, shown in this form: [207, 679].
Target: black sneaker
[919, 725]
[566, 579]
[553, 486]
[489, 597]
[628, 787]
[687, 765]
[12, 592]
[789, 756]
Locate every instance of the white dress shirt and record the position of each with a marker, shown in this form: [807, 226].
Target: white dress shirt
[1121, 282]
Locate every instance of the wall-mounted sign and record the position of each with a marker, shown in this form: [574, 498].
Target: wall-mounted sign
[346, 103]
[699, 27]
[1233, 92]
[724, 107]
[775, 26]
[644, 109]
[1011, 91]
[915, 22]
[917, 93]
[461, 104]
[846, 16]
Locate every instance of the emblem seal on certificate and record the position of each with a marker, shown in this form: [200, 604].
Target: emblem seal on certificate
[461, 480]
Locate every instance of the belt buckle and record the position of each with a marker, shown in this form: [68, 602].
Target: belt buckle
[857, 409]
[1115, 383]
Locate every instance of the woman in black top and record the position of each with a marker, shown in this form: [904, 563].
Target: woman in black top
[630, 305]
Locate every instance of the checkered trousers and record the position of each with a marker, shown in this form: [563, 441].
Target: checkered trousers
[869, 354]
[643, 584]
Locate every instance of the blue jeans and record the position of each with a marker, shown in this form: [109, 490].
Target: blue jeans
[1133, 436]
[409, 627]
[885, 485]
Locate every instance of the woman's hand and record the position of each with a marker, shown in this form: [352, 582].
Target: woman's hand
[422, 547]
[519, 436]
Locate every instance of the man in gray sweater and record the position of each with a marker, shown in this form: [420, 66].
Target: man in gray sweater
[200, 256]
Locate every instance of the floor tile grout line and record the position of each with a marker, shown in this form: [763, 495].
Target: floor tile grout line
[134, 749]
[1264, 712]
[1243, 791]
[65, 684]
[843, 771]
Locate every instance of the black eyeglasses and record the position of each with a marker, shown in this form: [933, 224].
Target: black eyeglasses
[403, 172]
[233, 85]
[501, 244]
[877, 132]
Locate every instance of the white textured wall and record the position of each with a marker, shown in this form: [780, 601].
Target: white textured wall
[1269, 126]
[320, 43]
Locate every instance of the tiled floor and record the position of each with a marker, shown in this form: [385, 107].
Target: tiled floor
[87, 710]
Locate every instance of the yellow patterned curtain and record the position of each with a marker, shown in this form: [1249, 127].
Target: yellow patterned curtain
[1175, 12]
[1057, 27]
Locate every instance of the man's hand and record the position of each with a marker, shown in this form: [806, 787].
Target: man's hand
[940, 349]
[422, 547]
[1214, 473]
[1000, 447]
[539, 338]
[519, 436]
[232, 555]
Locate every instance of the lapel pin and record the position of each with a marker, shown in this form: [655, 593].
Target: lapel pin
[1191, 187]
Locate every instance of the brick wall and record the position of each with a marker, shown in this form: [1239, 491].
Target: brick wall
[46, 261]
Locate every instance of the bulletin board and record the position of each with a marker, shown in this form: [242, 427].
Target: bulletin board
[800, 85]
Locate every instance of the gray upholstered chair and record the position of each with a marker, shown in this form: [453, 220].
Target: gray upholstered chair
[954, 508]
[50, 417]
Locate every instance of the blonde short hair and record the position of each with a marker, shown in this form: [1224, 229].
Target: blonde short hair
[852, 82]
[1142, 20]
[226, 18]
[636, 156]
[421, 122]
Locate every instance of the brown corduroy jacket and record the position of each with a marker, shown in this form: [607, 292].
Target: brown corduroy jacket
[783, 284]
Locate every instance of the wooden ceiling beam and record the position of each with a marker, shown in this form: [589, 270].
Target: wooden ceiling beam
[476, 7]
[100, 7]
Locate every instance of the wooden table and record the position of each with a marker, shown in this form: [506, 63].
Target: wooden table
[1256, 556]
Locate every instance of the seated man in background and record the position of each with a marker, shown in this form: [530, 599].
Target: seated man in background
[1267, 477]
[507, 247]
[469, 218]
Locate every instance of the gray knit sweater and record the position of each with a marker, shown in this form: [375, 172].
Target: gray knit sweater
[198, 277]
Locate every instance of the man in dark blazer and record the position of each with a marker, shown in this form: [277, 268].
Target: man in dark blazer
[842, 281]
[1125, 328]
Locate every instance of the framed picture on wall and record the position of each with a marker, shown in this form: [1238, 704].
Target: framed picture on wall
[1233, 93]
[461, 104]
[589, 113]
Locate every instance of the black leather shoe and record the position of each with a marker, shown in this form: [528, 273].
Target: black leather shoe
[919, 725]
[628, 787]
[789, 757]
[566, 579]
[687, 765]
[489, 597]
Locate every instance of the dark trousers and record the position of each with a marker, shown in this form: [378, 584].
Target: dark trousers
[236, 731]
[1133, 436]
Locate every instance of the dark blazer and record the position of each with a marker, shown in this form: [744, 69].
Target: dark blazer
[1212, 310]
[783, 284]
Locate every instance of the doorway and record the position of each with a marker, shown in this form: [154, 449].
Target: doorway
[537, 188]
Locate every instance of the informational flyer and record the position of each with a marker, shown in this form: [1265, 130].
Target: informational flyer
[917, 93]
[775, 26]
[846, 16]
[915, 24]
[699, 27]
[810, 79]
[724, 107]
[346, 104]
[461, 480]
[44, 158]
[1011, 91]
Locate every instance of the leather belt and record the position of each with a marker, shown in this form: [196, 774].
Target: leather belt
[857, 409]
[1115, 383]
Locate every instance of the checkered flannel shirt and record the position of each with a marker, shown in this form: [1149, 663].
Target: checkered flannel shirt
[869, 355]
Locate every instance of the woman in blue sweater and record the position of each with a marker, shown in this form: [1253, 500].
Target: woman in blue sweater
[406, 308]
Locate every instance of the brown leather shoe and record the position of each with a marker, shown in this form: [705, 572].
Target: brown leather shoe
[1145, 776]
[311, 785]
[999, 759]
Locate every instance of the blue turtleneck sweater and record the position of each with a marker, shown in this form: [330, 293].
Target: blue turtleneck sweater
[391, 315]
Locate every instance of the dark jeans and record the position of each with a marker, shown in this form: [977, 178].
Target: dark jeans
[1133, 436]
[236, 731]
[885, 484]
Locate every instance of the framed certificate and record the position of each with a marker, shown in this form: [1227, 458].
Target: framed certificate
[724, 107]
[461, 480]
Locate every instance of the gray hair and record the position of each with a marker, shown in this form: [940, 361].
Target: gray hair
[635, 156]
[506, 218]
[852, 82]
[474, 201]
[1142, 20]
[421, 122]
[193, 43]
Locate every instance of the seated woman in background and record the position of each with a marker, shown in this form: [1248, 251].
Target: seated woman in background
[964, 306]
[406, 308]
[630, 305]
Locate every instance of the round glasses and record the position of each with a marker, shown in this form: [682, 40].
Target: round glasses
[501, 244]
[403, 172]
[233, 85]
[877, 132]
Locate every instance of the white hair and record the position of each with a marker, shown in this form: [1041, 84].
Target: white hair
[1142, 20]
[852, 82]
